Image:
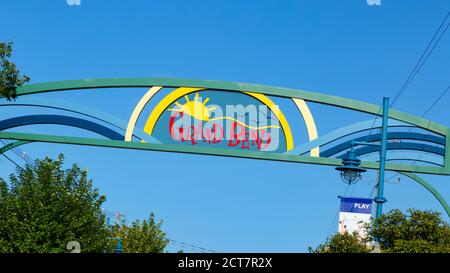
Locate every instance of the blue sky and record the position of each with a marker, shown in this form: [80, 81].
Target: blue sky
[343, 48]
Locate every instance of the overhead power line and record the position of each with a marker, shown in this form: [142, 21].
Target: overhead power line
[419, 64]
[424, 57]
[436, 101]
[443, 93]
[373, 123]
[175, 242]
[20, 153]
[330, 228]
[191, 246]
[12, 161]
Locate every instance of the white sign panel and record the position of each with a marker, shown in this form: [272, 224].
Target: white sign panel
[354, 214]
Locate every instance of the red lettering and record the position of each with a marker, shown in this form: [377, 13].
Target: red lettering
[218, 133]
[235, 137]
[215, 134]
[171, 124]
[245, 142]
[267, 140]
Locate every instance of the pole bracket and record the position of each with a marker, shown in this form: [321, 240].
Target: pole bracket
[380, 200]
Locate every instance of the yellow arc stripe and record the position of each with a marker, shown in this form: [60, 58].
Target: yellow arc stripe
[310, 123]
[280, 116]
[138, 110]
[163, 104]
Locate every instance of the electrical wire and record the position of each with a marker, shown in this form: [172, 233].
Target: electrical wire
[428, 110]
[335, 217]
[191, 246]
[175, 242]
[419, 64]
[12, 161]
[423, 58]
[435, 102]
[373, 123]
[20, 153]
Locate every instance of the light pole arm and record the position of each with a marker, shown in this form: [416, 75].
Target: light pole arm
[365, 143]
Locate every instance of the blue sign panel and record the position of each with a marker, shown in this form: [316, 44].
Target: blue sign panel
[356, 205]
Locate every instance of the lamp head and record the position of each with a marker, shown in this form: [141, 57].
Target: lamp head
[351, 169]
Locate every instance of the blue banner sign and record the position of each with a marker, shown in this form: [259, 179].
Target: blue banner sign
[356, 205]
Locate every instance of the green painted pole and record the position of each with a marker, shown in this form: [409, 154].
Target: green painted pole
[380, 198]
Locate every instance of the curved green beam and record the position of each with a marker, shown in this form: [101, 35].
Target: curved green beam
[230, 86]
[79, 109]
[13, 145]
[344, 132]
[432, 190]
[210, 151]
[237, 87]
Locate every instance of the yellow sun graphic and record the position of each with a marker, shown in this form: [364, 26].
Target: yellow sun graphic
[200, 111]
[194, 108]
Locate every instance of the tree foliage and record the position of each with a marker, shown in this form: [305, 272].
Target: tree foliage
[141, 237]
[10, 77]
[342, 243]
[44, 207]
[415, 231]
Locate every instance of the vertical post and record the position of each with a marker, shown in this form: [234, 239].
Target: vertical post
[118, 218]
[119, 247]
[380, 198]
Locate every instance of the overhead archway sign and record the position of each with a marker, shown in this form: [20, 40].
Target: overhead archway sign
[235, 120]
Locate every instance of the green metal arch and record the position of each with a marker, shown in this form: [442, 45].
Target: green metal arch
[238, 87]
[231, 86]
[430, 188]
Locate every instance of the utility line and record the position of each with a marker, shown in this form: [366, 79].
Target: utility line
[428, 110]
[191, 246]
[419, 64]
[435, 102]
[179, 243]
[335, 216]
[432, 105]
[12, 161]
[373, 123]
[7, 157]
[423, 58]
[20, 153]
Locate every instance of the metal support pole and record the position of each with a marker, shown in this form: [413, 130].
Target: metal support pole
[119, 247]
[380, 198]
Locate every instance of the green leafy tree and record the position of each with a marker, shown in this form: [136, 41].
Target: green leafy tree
[10, 77]
[140, 237]
[415, 231]
[45, 206]
[342, 243]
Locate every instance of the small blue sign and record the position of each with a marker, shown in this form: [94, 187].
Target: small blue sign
[356, 205]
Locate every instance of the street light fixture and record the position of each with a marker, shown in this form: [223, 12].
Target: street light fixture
[351, 171]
